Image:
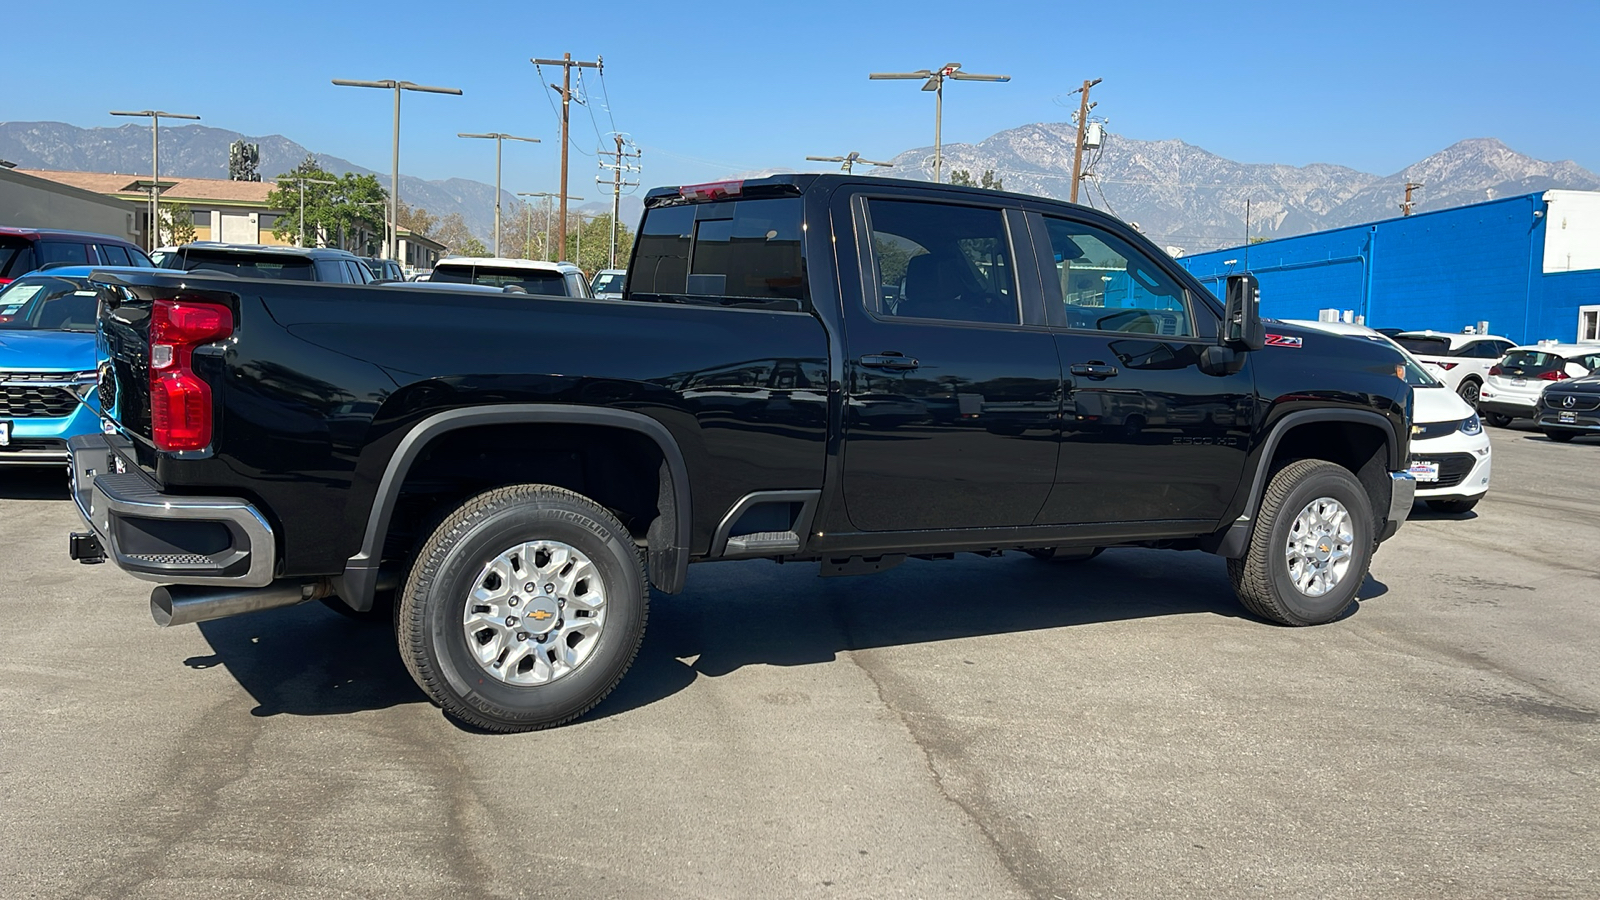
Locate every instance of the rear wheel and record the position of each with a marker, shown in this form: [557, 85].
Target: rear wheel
[1459, 505]
[523, 609]
[1498, 420]
[1469, 392]
[1311, 546]
[1560, 437]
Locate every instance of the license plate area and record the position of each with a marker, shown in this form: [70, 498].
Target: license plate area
[1425, 471]
[1566, 417]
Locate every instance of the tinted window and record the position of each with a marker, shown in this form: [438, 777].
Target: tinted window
[1482, 350]
[1107, 285]
[534, 281]
[942, 262]
[608, 283]
[1524, 363]
[1425, 346]
[16, 256]
[62, 252]
[47, 304]
[245, 265]
[738, 250]
[114, 255]
[138, 257]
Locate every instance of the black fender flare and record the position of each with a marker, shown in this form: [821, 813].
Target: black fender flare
[669, 534]
[1232, 541]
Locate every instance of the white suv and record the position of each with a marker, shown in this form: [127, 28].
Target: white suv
[1514, 384]
[1461, 361]
[1450, 455]
[557, 279]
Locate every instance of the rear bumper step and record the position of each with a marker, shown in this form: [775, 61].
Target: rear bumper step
[216, 541]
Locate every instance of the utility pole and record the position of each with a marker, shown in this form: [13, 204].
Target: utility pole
[499, 139]
[154, 232]
[935, 83]
[1083, 122]
[567, 65]
[617, 184]
[545, 251]
[1405, 207]
[851, 160]
[390, 84]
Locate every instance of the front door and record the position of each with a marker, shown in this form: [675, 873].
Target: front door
[1146, 435]
[951, 400]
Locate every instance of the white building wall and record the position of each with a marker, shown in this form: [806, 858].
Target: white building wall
[1571, 231]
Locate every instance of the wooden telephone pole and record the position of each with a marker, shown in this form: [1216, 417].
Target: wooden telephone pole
[1083, 123]
[565, 90]
[1405, 207]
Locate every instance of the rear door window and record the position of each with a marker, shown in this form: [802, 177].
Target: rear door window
[63, 252]
[942, 261]
[114, 255]
[728, 251]
[16, 257]
[1425, 346]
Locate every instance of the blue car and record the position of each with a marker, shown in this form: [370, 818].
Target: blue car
[48, 364]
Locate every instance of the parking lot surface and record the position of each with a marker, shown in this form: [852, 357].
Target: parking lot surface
[976, 728]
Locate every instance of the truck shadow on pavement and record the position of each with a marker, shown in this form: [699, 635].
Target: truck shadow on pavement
[41, 483]
[308, 660]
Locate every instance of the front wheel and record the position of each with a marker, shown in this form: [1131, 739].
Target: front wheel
[1498, 420]
[1311, 546]
[523, 609]
[1468, 390]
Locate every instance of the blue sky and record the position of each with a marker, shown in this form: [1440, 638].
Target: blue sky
[716, 87]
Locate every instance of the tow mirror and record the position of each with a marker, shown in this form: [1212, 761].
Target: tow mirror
[1241, 318]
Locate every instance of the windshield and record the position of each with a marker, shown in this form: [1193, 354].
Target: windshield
[534, 281]
[282, 267]
[608, 283]
[47, 304]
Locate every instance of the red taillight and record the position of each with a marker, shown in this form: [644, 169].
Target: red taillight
[715, 190]
[1496, 370]
[1554, 375]
[1446, 366]
[180, 403]
[5, 281]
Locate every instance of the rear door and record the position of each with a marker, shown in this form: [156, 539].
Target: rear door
[952, 381]
[1145, 434]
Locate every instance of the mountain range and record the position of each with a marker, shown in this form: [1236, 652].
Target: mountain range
[1180, 195]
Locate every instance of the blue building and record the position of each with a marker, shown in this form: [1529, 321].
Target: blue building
[1528, 265]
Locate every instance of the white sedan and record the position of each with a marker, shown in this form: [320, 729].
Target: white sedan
[1450, 456]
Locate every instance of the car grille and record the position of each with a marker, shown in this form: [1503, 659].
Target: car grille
[1453, 467]
[1580, 402]
[1424, 431]
[30, 395]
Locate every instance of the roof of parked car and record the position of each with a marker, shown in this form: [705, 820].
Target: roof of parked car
[1561, 349]
[502, 262]
[1455, 338]
[36, 233]
[306, 252]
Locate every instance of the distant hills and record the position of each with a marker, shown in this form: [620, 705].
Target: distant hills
[1180, 195]
[1183, 196]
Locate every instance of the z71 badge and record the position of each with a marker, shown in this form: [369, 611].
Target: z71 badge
[1284, 340]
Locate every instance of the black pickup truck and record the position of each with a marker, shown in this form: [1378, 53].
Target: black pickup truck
[845, 370]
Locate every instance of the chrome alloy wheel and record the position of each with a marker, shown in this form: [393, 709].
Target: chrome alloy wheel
[535, 613]
[1319, 547]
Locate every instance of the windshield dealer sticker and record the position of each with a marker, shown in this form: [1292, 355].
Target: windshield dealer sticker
[1284, 340]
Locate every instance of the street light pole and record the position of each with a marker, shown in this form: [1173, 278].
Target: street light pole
[302, 181]
[499, 139]
[154, 235]
[935, 83]
[393, 237]
[547, 195]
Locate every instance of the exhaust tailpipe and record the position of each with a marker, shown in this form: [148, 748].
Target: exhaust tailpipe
[184, 604]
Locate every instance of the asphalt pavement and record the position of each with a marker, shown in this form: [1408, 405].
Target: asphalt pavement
[978, 728]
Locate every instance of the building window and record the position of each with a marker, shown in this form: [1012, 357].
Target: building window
[1588, 324]
[266, 221]
[202, 218]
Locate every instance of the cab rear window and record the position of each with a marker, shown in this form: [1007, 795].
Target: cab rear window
[533, 281]
[272, 266]
[736, 252]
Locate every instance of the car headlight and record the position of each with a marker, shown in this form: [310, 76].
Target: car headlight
[1472, 425]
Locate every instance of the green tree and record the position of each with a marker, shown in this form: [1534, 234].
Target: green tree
[177, 223]
[595, 253]
[452, 231]
[418, 220]
[342, 211]
[473, 247]
[988, 182]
